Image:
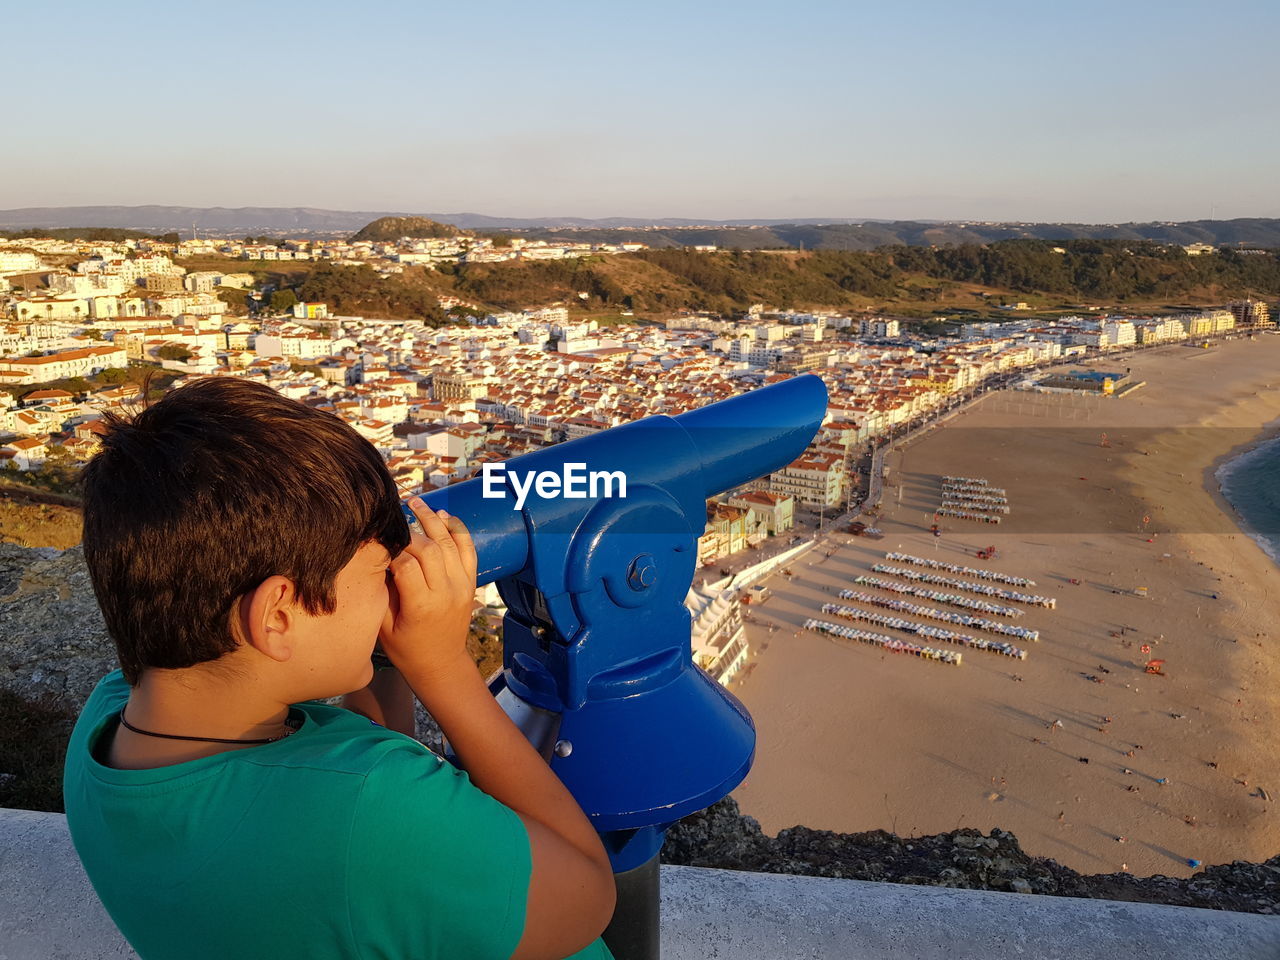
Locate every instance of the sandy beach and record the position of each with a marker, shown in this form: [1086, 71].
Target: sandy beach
[852, 738]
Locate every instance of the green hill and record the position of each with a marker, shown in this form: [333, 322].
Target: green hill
[962, 282]
[393, 228]
[943, 280]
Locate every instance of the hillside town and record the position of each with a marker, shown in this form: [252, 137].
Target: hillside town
[131, 260]
[440, 402]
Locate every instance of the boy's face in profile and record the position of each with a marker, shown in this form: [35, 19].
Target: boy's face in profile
[333, 658]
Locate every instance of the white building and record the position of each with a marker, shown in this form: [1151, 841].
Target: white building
[815, 481]
[28, 453]
[203, 281]
[1161, 330]
[51, 308]
[392, 408]
[14, 261]
[1118, 333]
[879, 327]
[80, 285]
[1042, 350]
[202, 304]
[755, 351]
[66, 363]
[302, 346]
[718, 637]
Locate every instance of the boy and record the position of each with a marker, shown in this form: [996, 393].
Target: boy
[248, 553]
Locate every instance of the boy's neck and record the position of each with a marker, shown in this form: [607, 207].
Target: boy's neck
[193, 703]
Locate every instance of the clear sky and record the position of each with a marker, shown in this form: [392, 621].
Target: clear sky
[1084, 111]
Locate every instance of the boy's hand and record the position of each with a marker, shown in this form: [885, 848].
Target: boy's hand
[571, 887]
[432, 593]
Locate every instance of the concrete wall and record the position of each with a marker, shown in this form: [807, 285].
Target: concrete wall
[724, 913]
[48, 911]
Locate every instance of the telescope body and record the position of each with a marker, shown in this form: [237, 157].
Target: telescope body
[597, 665]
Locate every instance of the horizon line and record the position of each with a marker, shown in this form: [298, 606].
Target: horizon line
[654, 220]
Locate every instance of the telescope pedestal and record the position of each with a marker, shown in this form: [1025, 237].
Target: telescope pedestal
[597, 662]
[633, 932]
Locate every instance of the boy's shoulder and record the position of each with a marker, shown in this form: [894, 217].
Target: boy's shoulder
[331, 739]
[387, 837]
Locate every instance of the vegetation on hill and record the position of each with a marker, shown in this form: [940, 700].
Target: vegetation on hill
[1079, 270]
[745, 277]
[360, 291]
[237, 300]
[263, 271]
[174, 351]
[393, 228]
[31, 517]
[607, 281]
[1095, 269]
[969, 280]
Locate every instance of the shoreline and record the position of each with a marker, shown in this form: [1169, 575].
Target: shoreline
[1077, 750]
[1218, 474]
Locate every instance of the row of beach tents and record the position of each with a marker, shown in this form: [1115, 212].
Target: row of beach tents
[938, 596]
[926, 630]
[888, 643]
[978, 572]
[947, 616]
[1014, 595]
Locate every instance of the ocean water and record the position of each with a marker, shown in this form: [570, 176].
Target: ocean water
[1251, 483]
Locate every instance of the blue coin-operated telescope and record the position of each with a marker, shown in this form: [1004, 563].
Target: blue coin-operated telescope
[593, 545]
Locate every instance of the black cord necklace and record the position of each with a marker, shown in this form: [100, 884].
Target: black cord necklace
[290, 726]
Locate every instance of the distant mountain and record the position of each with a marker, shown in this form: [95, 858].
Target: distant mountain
[871, 235]
[479, 221]
[223, 220]
[393, 228]
[882, 233]
[311, 219]
[833, 233]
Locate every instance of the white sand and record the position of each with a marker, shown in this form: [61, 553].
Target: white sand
[854, 739]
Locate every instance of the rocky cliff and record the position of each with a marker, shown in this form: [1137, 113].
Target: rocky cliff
[721, 836]
[54, 648]
[53, 642]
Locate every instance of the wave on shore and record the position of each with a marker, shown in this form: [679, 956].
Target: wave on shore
[1251, 484]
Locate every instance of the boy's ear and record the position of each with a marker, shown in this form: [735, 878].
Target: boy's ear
[267, 616]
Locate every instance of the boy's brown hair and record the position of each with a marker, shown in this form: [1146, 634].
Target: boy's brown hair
[202, 496]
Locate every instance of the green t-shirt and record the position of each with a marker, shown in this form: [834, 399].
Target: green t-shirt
[344, 840]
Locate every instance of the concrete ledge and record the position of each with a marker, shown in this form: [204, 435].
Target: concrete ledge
[725, 913]
[48, 911]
